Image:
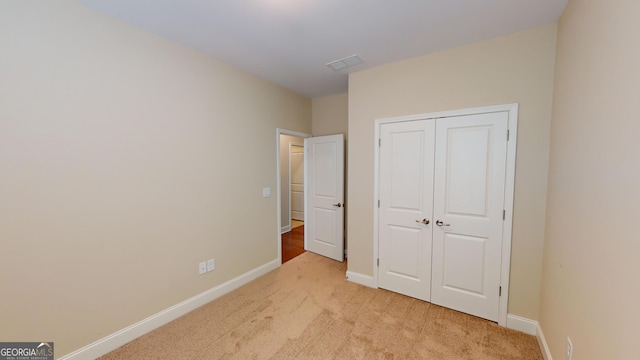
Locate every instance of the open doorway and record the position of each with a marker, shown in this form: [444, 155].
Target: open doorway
[290, 193]
[323, 192]
[293, 240]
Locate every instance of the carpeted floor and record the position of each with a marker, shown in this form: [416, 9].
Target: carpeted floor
[307, 310]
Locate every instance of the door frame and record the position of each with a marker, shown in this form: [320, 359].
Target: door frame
[279, 132]
[507, 224]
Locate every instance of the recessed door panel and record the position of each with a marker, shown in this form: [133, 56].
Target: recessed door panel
[324, 168]
[324, 234]
[404, 249]
[468, 170]
[407, 170]
[462, 256]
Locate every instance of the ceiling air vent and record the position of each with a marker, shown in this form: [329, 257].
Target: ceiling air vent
[349, 61]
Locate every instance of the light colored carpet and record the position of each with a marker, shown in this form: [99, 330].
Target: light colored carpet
[296, 223]
[307, 310]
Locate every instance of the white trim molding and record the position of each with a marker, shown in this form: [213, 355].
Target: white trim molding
[521, 324]
[365, 280]
[542, 342]
[119, 338]
[285, 229]
[530, 327]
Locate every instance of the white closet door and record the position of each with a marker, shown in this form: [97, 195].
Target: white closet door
[405, 222]
[469, 186]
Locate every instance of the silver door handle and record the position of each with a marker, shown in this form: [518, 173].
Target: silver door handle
[337, 205]
[440, 223]
[423, 221]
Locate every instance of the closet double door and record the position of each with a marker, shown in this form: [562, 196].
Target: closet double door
[441, 191]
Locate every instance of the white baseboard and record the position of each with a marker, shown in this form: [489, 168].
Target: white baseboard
[524, 325]
[365, 280]
[530, 327]
[285, 229]
[153, 322]
[542, 342]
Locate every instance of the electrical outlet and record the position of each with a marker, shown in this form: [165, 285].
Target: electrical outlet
[211, 265]
[569, 349]
[202, 267]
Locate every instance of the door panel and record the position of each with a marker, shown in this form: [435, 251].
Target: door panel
[469, 185]
[297, 204]
[467, 170]
[324, 234]
[406, 190]
[469, 252]
[324, 194]
[404, 263]
[297, 182]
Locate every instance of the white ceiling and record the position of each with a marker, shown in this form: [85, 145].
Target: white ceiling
[290, 41]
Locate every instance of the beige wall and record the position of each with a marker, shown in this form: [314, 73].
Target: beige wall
[330, 114]
[509, 69]
[121, 170]
[285, 181]
[590, 287]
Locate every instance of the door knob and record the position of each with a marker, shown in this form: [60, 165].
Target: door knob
[337, 205]
[423, 221]
[441, 223]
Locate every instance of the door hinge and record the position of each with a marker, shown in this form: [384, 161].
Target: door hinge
[507, 135]
[504, 214]
[378, 262]
[378, 204]
[379, 142]
[500, 291]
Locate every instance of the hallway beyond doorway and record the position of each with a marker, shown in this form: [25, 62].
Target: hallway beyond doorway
[292, 243]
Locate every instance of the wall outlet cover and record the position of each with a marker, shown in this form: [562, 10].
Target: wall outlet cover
[202, 267]
[211, 265]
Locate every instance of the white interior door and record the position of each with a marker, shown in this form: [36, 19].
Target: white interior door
[449, 172]
[405, 215]
[324, 195]
[297, 182]
[469, 186]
